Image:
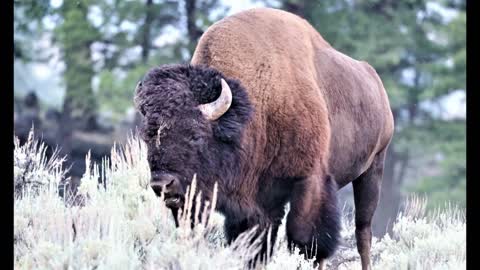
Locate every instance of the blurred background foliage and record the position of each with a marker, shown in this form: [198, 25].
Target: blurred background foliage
[90, 55]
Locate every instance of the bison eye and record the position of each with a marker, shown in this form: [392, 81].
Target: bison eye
[196, 139]
[151, 133]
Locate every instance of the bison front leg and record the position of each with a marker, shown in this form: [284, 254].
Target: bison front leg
[313, 224]
[234, 228]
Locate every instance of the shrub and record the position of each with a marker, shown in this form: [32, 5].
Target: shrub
[121, 224]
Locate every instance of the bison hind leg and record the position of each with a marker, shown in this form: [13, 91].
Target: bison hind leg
[313, 224]
[366, 193]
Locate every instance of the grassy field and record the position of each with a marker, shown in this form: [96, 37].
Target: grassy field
[123, 225]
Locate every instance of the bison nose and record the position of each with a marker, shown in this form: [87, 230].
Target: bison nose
[171, 187]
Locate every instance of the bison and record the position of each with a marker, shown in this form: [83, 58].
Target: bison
[274, 114]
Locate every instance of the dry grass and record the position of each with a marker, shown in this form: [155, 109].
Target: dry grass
[123, 225]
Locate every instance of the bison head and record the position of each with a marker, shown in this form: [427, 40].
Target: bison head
[193, 118]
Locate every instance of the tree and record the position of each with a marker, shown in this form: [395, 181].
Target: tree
[75, 35]
[449, 140]
[119, 77]
[121, 68]
[199, 17]
[28, 27]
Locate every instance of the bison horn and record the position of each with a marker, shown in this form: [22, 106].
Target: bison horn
[213, 110]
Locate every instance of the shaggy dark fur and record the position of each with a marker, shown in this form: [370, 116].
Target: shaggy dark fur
[168, 97]
[325, 230]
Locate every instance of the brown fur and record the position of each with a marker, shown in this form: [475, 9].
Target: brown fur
[289, 134]
[317, 111]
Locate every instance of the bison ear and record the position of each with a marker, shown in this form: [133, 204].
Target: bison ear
[228, 128]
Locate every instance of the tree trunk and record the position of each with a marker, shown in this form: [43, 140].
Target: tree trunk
[65, 130]
[146, 42]
[390, 198]
[80, 103]
[193, 31]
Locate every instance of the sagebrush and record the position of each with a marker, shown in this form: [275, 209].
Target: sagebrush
[121, 224]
